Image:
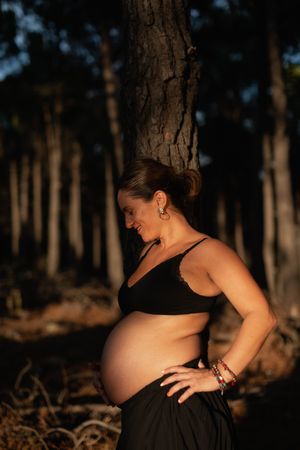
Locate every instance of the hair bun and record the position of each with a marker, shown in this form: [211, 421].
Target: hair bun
[193, 182]
[143, 176]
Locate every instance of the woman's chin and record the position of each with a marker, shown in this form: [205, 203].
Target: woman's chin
[148, 239]
[143, 236]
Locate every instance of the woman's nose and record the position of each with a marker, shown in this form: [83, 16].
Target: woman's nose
[128, 223]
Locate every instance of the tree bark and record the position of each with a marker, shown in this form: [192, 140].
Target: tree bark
[53, 136]
[160, 85]
[75, 222]
[15, 208]
[113, 243]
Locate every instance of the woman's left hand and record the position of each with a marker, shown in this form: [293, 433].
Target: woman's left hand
[197, 380]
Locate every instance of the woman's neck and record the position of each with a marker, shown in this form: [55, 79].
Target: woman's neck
[175, 231]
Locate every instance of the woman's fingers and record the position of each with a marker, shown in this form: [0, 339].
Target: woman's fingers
[187, 393]
[98, 386]
[176, 377]
[105, 397]
[107, 400]
[100, 389]
[194, 379]
[178, 369]
[95, 367]
[177, 387]
[200, 364]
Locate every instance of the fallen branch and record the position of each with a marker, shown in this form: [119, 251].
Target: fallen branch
[86, 439]
[75, 409]
[99, 423]
[12, 410]
[64, 431]
[46, 397]
[36, 433]
[22, 372]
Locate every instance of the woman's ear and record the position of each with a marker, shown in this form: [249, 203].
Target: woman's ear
[161, 199]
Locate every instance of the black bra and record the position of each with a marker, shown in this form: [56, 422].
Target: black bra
[162, 290]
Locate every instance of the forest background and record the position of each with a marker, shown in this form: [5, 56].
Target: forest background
[80, 94]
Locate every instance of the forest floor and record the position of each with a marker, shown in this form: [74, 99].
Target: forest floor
[47, 400]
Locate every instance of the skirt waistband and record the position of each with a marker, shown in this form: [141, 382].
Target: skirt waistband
[153, 384]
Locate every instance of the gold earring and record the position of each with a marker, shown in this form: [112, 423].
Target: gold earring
[163, 214]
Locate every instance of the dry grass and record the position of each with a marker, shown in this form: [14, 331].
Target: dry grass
[51, 404]
[33, 418]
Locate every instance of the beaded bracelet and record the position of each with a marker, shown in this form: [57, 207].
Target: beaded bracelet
[217, 374]
[225, 367]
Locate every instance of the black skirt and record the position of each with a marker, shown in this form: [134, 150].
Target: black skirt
[152, 421]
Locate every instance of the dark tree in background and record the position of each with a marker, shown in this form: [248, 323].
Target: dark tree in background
[287, 262]
[160, 82]
[86, 86]
[280, 231]
[153, 53]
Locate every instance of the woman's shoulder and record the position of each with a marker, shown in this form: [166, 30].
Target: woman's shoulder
[216, 252]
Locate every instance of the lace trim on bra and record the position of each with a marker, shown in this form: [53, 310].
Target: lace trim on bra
[179, 276]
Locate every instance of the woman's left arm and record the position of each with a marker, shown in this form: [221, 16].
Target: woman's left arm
[232, 276]
[226, 269]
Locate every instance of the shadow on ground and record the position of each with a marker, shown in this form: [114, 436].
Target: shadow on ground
[78, 347]
[273, 419]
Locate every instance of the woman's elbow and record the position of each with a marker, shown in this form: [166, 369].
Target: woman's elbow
[271, 320]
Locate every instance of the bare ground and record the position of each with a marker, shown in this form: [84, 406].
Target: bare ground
[48, 400]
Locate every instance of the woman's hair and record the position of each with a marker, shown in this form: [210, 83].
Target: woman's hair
[144, 176]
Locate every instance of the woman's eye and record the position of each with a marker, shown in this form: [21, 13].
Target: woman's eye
[129, 213]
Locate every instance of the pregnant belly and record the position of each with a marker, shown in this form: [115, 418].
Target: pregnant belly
[139, 347]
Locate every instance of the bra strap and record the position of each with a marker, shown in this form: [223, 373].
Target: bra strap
[192, 246]
[146, 252]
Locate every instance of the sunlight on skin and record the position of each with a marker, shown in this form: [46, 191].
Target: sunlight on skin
[225, 269]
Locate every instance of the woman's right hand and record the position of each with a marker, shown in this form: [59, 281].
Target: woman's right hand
[98, 384]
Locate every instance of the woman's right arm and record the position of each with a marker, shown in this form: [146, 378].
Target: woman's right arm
[98, 384]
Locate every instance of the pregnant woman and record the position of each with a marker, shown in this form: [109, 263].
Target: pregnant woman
[154, 364]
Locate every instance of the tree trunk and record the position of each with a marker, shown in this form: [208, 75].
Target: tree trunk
[53, 135]
[269, 217]
[113, 243]
[96, 241]
[37, 192]
[221, 217]
[15, 209]
[24, 190]
[288, 273]
[160, 86]
[112, 107]
[238, 233]
[75, 222]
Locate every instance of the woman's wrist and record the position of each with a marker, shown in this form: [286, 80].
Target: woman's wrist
[224, 376]
[229, 376]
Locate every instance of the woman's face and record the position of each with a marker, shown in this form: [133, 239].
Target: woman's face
[140, 215]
